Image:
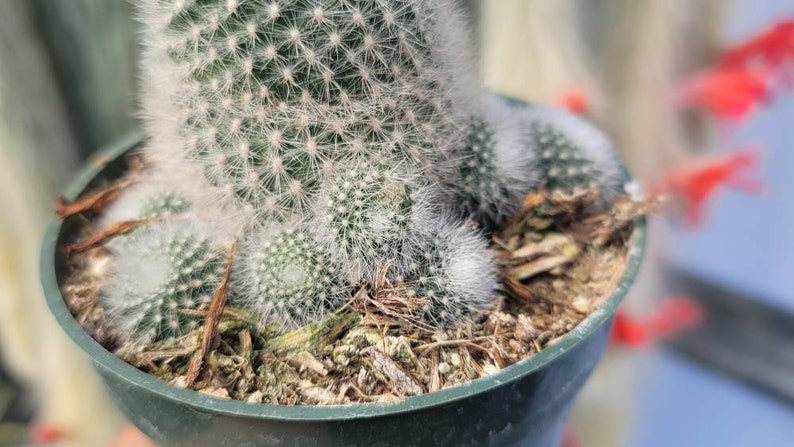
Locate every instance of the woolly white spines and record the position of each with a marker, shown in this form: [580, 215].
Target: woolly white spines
[373, 214]
[162, 195]
[456, 272]
[160, 276]
[270, 91]
[496, 167]
[573, 155]
[148, 199]
[286, 277]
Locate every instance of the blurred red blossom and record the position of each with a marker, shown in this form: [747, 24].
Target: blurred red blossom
[672, 316]
[569, 438]
[574, 100]
[772, 48]
[698, 181]
[745, 76]
[44, 433]
[727, 93]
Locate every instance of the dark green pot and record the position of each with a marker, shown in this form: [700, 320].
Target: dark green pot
[523, 405]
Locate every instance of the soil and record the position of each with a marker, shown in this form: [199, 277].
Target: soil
[560, 265]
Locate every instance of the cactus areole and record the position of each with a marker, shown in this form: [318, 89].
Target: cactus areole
[328, 219]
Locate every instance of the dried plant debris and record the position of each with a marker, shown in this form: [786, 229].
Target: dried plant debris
[560, 263]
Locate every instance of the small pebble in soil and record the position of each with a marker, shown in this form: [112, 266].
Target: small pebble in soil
[489, 369]
[215, 392]
[581, 304]
[255, 397]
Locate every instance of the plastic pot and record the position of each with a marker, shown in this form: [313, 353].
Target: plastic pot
[525, 404]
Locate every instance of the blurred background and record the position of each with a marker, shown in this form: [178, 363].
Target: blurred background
[697, 96]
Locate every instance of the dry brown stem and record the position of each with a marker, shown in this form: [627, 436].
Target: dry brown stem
[98, 239]
[211, 322]
[95, 201]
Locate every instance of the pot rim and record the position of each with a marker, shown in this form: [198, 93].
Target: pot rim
[106, 360]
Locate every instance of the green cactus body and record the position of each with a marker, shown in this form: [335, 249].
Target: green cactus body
[455, 272]
[163, 204]
[373, 214]
[162, 274]
[148, 199]
[484, 194]
[477, 171]
[495, 167]
[566, 167]
[287, 278]
[274, 92]
[573, 156]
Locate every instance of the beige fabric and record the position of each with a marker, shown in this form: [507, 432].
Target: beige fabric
[36, 157]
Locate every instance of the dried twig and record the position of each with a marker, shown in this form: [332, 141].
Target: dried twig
[98, 239]
[211, 323]
[513, 227]
[532, 268]
[465, 342]
[95, 201]
[392, 302]
[599, 229]
[396, 374]
[515, 288]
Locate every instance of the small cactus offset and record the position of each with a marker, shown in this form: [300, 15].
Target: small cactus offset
[285, 276]
[455, 272]
[148, 201]
[161, 276]
[163, 195]
[331, 139]
[373, 213]
[494, 169]
[573, 155]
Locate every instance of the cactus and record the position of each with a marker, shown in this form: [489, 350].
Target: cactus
[287, 277]
[165, 203]
[147, 201]
[495, 168]
[372, 214]
[160, 277]
[456, 272]
[330, 137]
[272, 93]
[573, 155]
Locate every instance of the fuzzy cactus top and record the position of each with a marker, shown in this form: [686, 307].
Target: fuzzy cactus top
[270, 95]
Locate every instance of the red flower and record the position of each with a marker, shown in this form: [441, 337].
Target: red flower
[727, 93]
[44, 433]
[575, 101]
[697, 182]
[569, 438]
[628, 331]
[773, 48]
[672, 316]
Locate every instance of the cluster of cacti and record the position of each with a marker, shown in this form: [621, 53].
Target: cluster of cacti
[341, 136]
